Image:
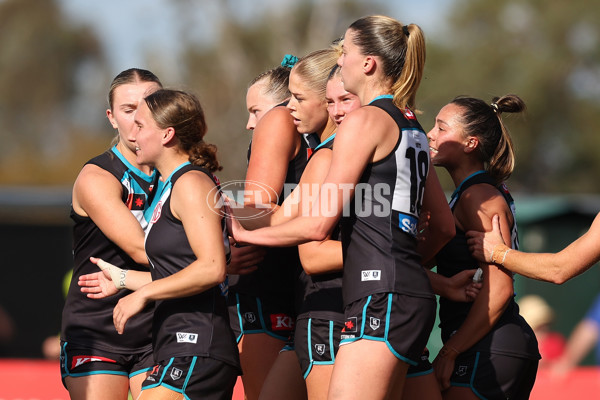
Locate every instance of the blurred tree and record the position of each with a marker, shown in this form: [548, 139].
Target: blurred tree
[549, 54]
[244, 47]
[40, 58]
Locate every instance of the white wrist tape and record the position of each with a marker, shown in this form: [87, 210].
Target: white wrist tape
[118, 275]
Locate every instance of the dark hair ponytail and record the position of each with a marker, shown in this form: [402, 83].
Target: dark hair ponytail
[484, 121]
[183, 112]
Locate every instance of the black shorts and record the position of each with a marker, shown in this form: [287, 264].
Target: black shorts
[76, 361]
[194, 377]
[423, 366]
[249, 314]
[290, 343]
[317, 342]
[402, 322]
[495, 376]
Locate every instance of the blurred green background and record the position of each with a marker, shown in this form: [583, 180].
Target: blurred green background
[58, 57]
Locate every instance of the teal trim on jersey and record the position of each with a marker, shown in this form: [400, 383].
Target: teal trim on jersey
[383, 96]
[481, 171]
[143, 175]
[329, 139]
[162, 187]
[168, 180]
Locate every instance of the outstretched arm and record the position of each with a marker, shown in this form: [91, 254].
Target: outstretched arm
[317, 221]
[111, 279]
[557, 268]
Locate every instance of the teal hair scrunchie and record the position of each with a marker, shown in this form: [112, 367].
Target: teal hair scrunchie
[289, 61]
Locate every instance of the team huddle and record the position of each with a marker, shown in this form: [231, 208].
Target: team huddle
[320, 284]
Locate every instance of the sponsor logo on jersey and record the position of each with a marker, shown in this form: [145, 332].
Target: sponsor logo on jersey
[176, 373]
[350, 325]
[370, 275]
[346, 337]
[408, 224]
[280, 322]
[320, 349]
[374, 323]
[250, 317]
[80, 360]
[183, 337]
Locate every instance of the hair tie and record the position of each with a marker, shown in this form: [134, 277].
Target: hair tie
[289, 61]
[405, 30]
[495, 107]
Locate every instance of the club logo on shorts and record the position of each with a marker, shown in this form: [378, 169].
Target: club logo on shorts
[176, 373]
[281, 322]
[320, 349]
[183, 337]
[370, 275]
[462, 370]
[374, 323]
[250, 317]
[80, 360]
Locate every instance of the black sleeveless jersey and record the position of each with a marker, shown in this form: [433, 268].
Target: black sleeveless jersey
[379, 234]
[511, 335]
[276, 274]
[89, 322]
[196, 325]
[320, 296]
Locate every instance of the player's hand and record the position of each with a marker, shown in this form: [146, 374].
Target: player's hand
[462, 288]
[482, 244]
[126, 308]
[97, 285]
[244, 259]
